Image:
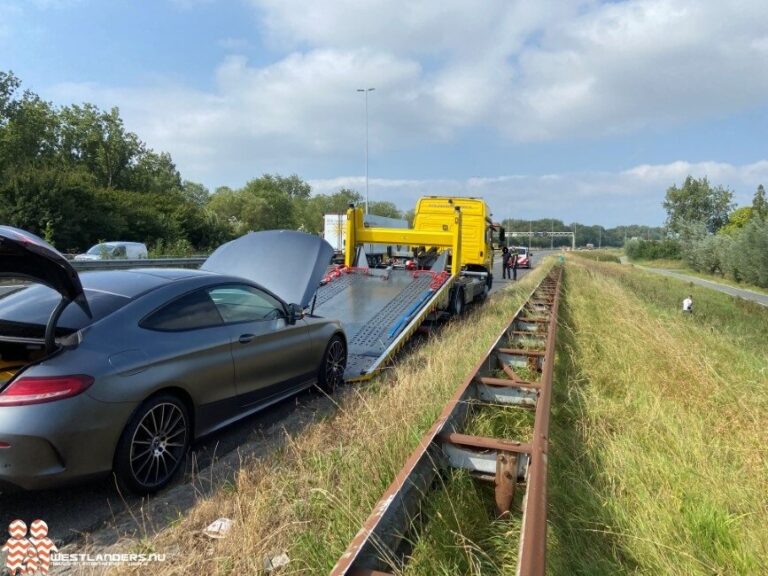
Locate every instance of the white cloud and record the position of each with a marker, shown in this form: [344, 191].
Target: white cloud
[631, 196]
[533, 70]
[551, 70]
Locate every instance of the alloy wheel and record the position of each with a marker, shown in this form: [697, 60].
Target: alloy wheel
[335, 363]
[158, 444]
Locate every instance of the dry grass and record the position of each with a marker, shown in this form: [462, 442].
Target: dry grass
[311, 497]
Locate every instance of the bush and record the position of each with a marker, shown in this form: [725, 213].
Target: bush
[741, 255]
[709, 254]
[749, 256]
[638, 249]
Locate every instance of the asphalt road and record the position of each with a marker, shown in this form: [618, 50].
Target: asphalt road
[738, 292]
[499, 283]
[73, 512]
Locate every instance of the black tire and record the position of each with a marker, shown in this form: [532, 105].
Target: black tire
[153, 445]
[487, 287]
[456, 307]
[330, 375]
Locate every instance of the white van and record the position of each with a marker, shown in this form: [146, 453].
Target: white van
[115, 251]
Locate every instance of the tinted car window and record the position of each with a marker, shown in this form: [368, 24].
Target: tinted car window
[195, 310]
[33, 305]
[241, 303]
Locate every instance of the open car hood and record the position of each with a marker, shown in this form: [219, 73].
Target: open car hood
[287, 263]
[24, 255]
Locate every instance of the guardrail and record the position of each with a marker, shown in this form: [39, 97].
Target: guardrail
[528, 343]
[88, 265]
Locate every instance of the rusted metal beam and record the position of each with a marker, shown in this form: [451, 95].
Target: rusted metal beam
[530, 320]
[505, 481]
[528, 333]
[485, 443]
[380, 546]
[533, 540]
[522, 351]
[508, 383]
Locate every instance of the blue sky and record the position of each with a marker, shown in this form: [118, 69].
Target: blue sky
[578, 110]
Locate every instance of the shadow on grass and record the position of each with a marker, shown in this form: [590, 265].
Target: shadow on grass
[580, 536]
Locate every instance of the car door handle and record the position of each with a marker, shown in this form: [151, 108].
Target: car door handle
[245, 338]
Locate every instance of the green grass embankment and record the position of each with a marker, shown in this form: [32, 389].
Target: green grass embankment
[658, 441]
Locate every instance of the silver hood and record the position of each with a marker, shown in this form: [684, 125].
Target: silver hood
[287, 263]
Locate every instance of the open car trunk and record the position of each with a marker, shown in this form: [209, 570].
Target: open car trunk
[14, 356]
[24, 256]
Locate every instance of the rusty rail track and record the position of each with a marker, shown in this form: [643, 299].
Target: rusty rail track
[380, 548]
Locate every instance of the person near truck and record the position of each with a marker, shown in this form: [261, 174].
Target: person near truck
[505, 263]
[513, 264]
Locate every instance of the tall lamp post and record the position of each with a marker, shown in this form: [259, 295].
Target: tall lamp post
[365, 91]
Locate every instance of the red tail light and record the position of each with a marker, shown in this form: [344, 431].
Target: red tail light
[30, 390]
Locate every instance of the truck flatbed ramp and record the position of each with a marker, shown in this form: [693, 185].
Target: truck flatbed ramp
[379, 310]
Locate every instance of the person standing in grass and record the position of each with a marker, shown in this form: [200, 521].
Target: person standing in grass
[505, 263]
[688, 305]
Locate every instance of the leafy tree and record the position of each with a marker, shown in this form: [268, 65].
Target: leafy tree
[319, 205]
[99, 141]
[8, 86]
[760, 204]
[737, 220]
[154, 172]
[277, 208]
[384, 208]
[240, 212]
[697, 202]
[46, 198]
[29, 133]
[293, 186]
[195, 193]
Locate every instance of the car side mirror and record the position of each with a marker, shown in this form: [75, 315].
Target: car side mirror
[295, 312]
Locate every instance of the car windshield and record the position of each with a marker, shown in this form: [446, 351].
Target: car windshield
[100, 249]
[522, 251]
[25, 312]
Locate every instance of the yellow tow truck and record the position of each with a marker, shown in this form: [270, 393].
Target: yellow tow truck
[381, 307]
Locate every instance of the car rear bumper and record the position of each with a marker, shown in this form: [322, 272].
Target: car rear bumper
[58, 442]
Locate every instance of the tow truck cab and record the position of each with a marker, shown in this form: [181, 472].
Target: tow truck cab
[435, 214]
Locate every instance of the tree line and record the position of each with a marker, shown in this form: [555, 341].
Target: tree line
[711, 233]
[76, 176]
[583, 234]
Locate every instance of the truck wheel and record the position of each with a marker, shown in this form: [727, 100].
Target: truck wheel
[486, 287]
[456, 307]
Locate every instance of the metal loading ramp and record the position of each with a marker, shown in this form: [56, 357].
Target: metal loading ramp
[379, 310]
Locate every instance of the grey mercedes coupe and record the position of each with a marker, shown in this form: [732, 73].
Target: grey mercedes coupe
[121, 370]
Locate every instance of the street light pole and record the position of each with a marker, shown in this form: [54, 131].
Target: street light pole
[365, 91]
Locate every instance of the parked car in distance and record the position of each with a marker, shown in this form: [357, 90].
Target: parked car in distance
[120, 370]
[115, 251]
[523, 257]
